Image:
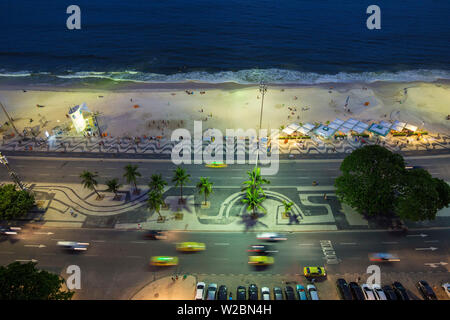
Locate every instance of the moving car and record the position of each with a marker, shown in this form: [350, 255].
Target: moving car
[200, 290]
[241, 293]
[191, 246]
[277, 293]
[400, 291]
[356, 291]
[383, 257]
[344, 289]
[314, 272]
[252, 292]
[156, 235]
[271, 236]
[426, 291]
[164, 261]
[261, 249]
[7, 231]
[312, 292]
[265, 293]
[289, 292]
[389, 292]
[73, 245]
[211, 292]
[222, 293]
[379, 293]
[446, 287]
[301, 292]
[368, 292]
[260, 260]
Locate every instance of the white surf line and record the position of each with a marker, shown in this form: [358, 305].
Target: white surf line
[222, 244]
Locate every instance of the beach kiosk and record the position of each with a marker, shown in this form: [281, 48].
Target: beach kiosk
[78, 120]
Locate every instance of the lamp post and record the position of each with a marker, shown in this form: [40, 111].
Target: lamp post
[263, 90]
[10, 119]
[13, 175]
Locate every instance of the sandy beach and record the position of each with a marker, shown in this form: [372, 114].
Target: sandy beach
[222, 106]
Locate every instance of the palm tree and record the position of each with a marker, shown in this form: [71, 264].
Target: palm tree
[287, 206]
[89, 182]
[180, 178]
[205, 187]
[253, 199]
[255, 180]
[113, 186]
[157, 183]
[155, 201]
[131, 175]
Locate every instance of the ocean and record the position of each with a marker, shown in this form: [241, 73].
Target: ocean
[246, 41]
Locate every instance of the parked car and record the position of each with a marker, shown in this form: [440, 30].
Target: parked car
[343, 289]
[356, 291]
[312, 292]
[253, 292]
[368, 292]
[277, 293]
[241, 293]
[200, 291]
[301, 292]
[222, 294]
[289, 292]
[211, 292]
[379, 293]
[265, 293]
[426, 291]
[389, 292]
[400, 291]
[446, 287]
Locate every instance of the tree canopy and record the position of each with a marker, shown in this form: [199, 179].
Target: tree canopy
[14, 203]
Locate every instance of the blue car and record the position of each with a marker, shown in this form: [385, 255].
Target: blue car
[301, 292]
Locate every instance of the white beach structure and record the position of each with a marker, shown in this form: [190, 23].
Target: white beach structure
[306, 128]
[78, 120]
[398, 125]
[290, 129]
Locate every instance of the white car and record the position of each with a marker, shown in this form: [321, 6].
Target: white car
[446, 287]
[271, 236]
[200, 290]
[73, 245]
[379, 293]
[368, 292]
[265, 293]
[312, 292]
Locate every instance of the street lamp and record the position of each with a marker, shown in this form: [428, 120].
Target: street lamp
[13, 175]
[263, 90]
[10, 119]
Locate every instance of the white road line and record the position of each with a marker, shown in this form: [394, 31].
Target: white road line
[138, 242]
[98, 240]
[221, 244]
[57, 239]
[43, 174]
[222, 259]
[49, 254]
[134, 257]
[347, 243]
[431, 241]
[91, 255]
[393, 242]
[306, 244]
[6, 252]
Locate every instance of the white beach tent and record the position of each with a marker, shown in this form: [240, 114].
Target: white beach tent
[360, 127]
[336, 124]
[306, 128]
[410, 127]
[398, 126]
[290, 129]
[324, 131]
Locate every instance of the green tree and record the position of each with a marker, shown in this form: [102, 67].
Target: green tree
[157, 183]
[253, 200]
[155, 201]
[131, 175]
[369, 180]
[255, 180]
[443, 189]
[113, 186]
[22, 281]
[180, 178]
[287, 206]
[14, 203]
[205, 187]
[89, 181]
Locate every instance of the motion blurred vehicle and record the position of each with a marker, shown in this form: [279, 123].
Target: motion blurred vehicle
[412, 167]
[164, 261]
[200, 291]
[379, 293]
[356, 291]
[191, 246]
[389, 292]
[310, 272]
[426, 290]
[344, 289]
[400, 291]
[216, 164]
[222, 294]
[7, 231]
[368, 292]
[262, 249]
[241, 293]
[211, 292]
[156, 235]
[265, 293]
[271, 236]
[301, 292]
[73, 245]
[260, 260]
[252, 292]
[289, 292]
[383, 257]
[277, 293]
[312, 292]
[446, 287]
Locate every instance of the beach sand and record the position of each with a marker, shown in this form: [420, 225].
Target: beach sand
[231, 106]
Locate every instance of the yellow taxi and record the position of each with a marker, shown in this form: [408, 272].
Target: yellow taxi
[164, 261]
[260, 260]
[216, 164]
[190, 246]
[314, 272]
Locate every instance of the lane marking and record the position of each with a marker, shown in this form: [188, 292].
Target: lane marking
[221, 244]
[347, 243]
[6, 252]
[431, 241]
[392, 242]
[306, 244]
[134, 257]
[98, 240]
[138, 242]
[91, 255]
